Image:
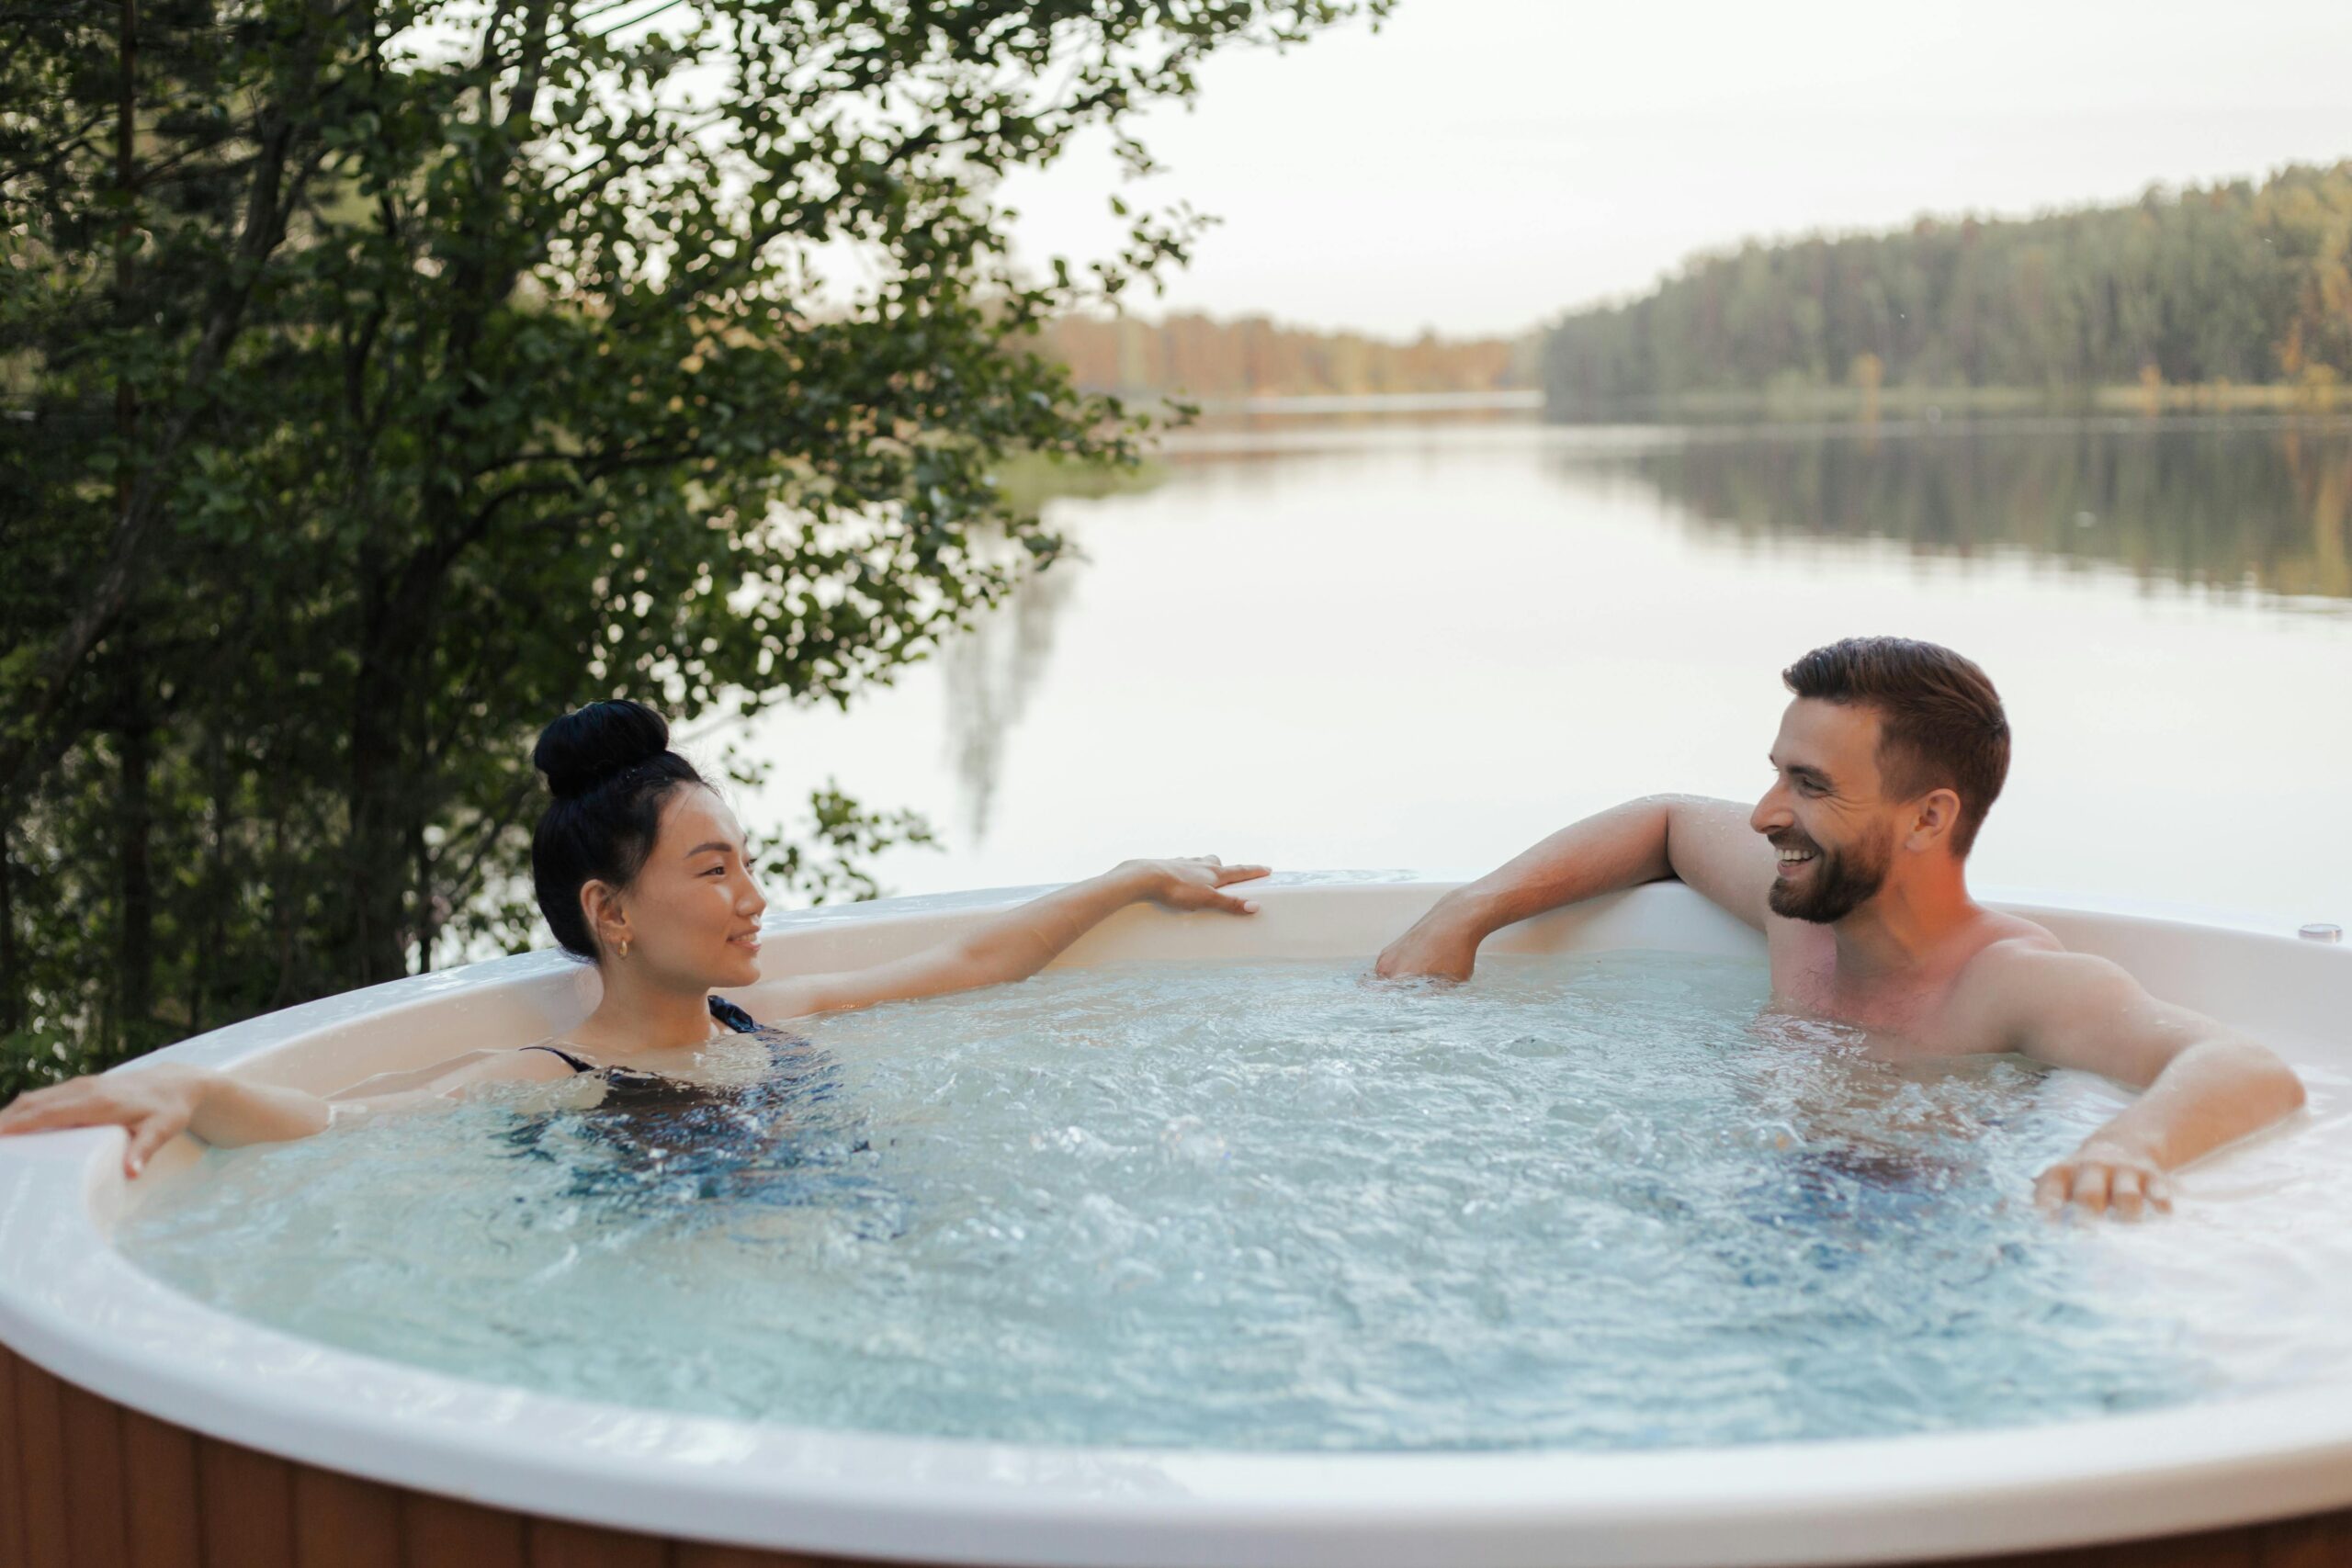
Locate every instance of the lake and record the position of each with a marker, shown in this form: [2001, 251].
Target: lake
[1384, 643]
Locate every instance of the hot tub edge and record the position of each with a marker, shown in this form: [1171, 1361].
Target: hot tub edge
[86, 1482]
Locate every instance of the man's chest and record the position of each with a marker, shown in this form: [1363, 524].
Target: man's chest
[1920, 1013]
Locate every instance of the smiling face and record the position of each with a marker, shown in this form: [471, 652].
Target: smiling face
[1825, 813]
[691, 916]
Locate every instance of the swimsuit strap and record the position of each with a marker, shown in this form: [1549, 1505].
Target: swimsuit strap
[722, 1010]
[623, 1078]
[734, 1017]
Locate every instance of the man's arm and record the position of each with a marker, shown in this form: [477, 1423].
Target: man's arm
[1706, 843]
[2206, 1084]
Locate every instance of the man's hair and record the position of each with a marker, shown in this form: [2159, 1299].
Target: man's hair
[1940, 724]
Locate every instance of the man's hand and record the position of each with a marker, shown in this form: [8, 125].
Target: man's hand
[1441, 944]
[2106, 1178]
[1707, 843]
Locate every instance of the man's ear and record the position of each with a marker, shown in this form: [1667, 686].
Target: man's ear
[1932, 823]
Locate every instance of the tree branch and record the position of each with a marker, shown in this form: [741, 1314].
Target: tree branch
[77, 140]
[493, 823]
[269, 202]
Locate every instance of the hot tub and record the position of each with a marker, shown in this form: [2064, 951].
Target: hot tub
[143, 1426]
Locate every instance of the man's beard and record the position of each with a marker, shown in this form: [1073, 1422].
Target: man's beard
[1837, 882]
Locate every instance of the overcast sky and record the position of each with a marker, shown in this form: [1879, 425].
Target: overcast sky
[1479, 165]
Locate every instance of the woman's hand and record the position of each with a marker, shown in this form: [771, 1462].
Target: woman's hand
[155, 1104]
[1191, 882]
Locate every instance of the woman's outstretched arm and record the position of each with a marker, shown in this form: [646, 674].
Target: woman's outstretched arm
[1019, 943]
[156, 1102]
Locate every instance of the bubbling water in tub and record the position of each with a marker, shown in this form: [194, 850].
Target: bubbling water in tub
[1594, 1202]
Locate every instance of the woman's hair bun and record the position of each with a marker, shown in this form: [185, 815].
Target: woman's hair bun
[610, 767]
[600, 741]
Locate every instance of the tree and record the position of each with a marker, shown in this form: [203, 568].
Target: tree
[2231, 283]
[386, 376]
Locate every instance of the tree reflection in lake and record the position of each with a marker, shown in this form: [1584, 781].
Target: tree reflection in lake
[2244, 503]
[2262, 504]
[1427, 644]
[991, 670]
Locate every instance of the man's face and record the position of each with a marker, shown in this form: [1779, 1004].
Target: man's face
[1824, 813]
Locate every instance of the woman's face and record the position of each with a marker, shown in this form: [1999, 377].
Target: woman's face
[692, 917]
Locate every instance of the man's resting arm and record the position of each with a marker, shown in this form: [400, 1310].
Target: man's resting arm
[1706, 843]
[2206, 1085]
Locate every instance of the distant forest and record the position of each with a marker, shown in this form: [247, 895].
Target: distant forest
[2204, 288]
[1195, 357]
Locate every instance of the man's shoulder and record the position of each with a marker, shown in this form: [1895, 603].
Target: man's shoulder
[2007, 947]
[2009, 938]
[2024, 965]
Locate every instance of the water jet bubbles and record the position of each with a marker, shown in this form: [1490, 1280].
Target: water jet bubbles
[1188, 1140]
[1129, 1273]
[1074, 1141]
[1260, 1206]
[1327, 1088]
[1104, 1230]
[1768, 1136]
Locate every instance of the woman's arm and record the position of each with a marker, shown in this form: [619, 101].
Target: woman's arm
[1019, 943]
[157, 1102]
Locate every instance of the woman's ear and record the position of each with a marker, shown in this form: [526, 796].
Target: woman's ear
[600, 902]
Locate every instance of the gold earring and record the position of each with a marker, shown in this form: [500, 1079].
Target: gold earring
[623, 947]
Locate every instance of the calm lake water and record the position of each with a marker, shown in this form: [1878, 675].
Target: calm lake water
[1388, 644]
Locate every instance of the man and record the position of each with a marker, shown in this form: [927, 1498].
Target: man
[1854, 866]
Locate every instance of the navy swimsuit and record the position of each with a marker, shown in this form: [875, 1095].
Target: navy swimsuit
[655, 1140]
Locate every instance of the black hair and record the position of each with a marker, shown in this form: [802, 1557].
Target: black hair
[610, 767]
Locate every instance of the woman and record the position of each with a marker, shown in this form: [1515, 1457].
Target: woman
[641, 869]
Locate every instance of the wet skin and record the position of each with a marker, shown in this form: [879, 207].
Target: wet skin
[1865, 911]
[685, 924]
